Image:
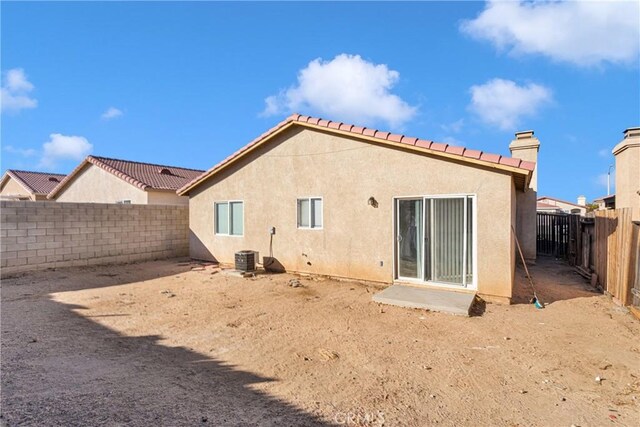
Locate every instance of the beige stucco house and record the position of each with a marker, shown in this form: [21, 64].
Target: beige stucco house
[28, 185]
[347, 201]
[627, 155]
[106, 180]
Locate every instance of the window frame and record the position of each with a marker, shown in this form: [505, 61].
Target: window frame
[229, 217]
[311, 212]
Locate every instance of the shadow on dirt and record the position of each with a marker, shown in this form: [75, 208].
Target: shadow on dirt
[61, 368]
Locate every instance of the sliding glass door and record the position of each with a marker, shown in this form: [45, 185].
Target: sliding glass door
[410, 236]
[434, 238]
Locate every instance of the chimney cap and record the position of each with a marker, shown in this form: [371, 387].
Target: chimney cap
[524, 134]
[631, 132]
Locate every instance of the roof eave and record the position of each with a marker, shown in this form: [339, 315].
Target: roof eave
[9, 174]
[289, 122]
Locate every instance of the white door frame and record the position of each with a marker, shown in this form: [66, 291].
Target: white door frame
[474, 235]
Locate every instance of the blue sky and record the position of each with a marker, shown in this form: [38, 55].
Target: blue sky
[187, 84]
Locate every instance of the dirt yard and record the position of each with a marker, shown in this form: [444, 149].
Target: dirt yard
[161, 344]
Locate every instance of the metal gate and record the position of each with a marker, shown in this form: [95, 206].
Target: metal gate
[552, 235]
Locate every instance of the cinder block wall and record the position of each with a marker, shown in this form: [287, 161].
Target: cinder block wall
[38, 235]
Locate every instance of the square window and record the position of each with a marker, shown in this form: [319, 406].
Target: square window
[310, 212]
[229, 218]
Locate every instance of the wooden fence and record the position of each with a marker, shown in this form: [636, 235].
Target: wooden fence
[616, 254]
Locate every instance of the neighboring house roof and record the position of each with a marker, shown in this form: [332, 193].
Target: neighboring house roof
[145, 176]
[545, 206]
[38, 183]
[603, 198]
[561, 201]
[518, 167]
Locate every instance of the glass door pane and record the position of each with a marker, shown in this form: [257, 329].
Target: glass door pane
[447, 240]
[469, 248]
[410, 238]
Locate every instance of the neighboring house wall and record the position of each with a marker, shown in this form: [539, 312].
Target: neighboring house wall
[38, 235]
[356, 237]
[13, 188]
[158, 197]
[627, 154]
[95, 185]
[566, 207]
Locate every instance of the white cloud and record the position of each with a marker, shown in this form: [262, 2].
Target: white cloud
[454, 127]
[503, 103]
[25, 152]
[15, 91]
[583, 33]
[111, 113]
[63, 147]
[347, 88]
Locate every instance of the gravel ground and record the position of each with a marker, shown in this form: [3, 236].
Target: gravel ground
[164, 343]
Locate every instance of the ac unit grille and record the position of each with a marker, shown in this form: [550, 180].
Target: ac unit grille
[245, 260]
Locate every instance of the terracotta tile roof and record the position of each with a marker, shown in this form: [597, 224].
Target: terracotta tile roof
[397, 139]
[40, 183]
[145, 176]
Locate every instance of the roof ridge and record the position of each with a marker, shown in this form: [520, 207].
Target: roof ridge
[98, 161]
[144, 163]
[38, 172]
[403, 139]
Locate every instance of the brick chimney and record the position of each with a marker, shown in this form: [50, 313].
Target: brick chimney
[627, 155]
[525, 147]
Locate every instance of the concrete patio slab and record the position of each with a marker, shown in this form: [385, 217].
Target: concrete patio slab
[442, 300]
